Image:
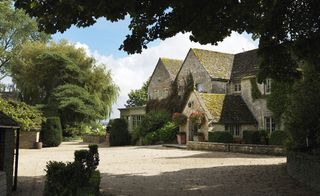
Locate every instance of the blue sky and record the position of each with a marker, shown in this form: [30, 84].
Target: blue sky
[103, 39]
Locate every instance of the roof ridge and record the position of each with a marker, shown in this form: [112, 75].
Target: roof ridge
[166, 58]
[212, 51]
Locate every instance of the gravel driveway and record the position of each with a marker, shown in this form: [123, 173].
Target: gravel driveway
[155, 170]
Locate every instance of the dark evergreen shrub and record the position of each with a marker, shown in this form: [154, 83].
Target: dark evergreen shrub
[119, 134]
[51, 133]
[278, 137]
[251, 137]
[220, 136]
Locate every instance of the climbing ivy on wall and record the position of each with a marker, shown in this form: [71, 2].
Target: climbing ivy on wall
[174, 102]
[255, 92]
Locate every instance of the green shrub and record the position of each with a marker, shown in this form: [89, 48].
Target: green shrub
[153, 121]
[168, 132]
[77, 178]
[119, 134]
[150, 138]
[51, 133]
[278, 137]
[220, 136]
[134, 136]
[251, 137]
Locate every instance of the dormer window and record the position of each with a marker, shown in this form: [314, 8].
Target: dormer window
[267, 86]
[199, 88]
[237, 87]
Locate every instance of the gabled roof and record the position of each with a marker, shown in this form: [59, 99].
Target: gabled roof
[172, 66]
[6, 121]
[217, 64]
[227, 109]
[245, 64]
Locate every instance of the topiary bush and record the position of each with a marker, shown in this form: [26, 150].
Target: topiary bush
[251, 137]
[278, 137]
[168, 132]
[119, 134]
[74, 178]
[51, 133]
[220, 136]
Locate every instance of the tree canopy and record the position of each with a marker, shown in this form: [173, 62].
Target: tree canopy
[288, 30]
[15, 29]
[138, 97]
[64, 81]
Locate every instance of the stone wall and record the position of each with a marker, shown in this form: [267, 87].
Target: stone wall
[237, 148]
[160, 83]
[3, 183]
[94, 139]
[304, 168]
[7, 155]
[28, 139]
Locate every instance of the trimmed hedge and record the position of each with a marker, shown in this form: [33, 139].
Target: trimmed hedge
[119, 134]
[278, 137]
[51, 133]
[220, 136]
[251, 137]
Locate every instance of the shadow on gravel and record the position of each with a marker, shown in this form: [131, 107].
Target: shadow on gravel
[223, 155]
[225, 180]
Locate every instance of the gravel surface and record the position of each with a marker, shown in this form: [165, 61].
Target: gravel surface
[155, 170]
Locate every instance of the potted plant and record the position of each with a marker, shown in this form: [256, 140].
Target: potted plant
[181, 138]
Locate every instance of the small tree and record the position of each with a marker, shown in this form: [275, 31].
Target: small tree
[138, 97]
[51, 132]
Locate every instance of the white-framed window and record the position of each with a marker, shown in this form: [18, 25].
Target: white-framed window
[237, 87]
[234, 129]
[136, 120]
[267, 86]
[269, 124]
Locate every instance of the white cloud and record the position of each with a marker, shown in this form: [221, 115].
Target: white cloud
[131, 71]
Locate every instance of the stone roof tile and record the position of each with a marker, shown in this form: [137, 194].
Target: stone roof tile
[172, 65]
[217, 64]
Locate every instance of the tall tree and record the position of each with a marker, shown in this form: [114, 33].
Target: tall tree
[283, 27]
[15, 29]
[65, 81]
[138, 97]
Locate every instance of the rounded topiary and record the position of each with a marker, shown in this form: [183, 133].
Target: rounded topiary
[278, 137]
[220, 136]
[51, 132]
[119, 135]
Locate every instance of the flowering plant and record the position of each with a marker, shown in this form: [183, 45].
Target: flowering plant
[197, 117]
[179, 118]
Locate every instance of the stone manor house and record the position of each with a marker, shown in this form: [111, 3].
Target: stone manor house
[223, 92]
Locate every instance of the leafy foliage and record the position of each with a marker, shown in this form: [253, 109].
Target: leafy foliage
[51, 133]
[16, 28]
[153, 121]
[179, 118]
[278, 137]
[220, 136]
[303, 114]
[251, 137]
[138, 97]
[65, 81]
[119, 135]
[77, 178]
[27, 116]
[168, 132]
[255, 92]
[278, 100]
[150, 138]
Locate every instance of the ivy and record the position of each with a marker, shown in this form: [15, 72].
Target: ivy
[26, 116]
[255, 92]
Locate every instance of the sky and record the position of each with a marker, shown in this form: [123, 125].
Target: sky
[103, 39]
